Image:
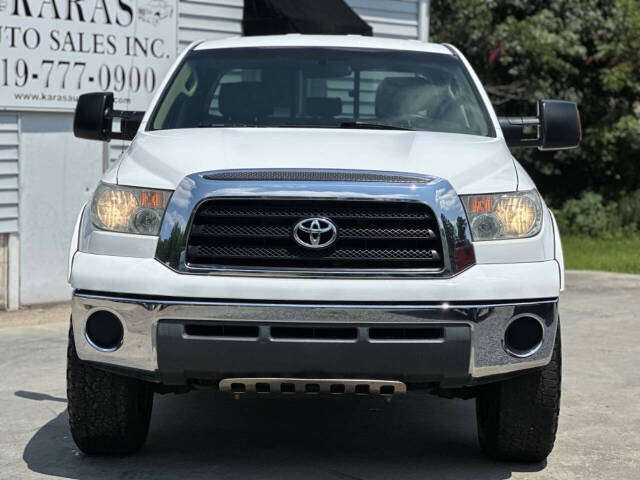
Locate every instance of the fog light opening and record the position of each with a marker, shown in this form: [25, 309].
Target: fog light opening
[523, 336]
[104, 331]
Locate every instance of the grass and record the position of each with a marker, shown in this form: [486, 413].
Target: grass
[618, 254]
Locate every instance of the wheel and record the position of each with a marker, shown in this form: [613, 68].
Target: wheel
[518, 418]
[108, 413]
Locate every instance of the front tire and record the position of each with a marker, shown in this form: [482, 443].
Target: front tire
[518, 418]
[108, 413]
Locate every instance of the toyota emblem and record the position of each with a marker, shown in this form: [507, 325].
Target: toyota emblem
[315, 232]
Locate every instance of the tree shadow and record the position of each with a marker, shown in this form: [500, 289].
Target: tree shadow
[207, 435]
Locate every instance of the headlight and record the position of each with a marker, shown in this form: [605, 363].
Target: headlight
[504, 215]
[128, 209]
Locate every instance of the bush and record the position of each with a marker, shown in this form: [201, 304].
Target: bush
[629, 211]
[588, 216]
[561, 220]
[584, 216]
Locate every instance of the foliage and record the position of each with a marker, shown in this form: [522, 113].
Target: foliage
[588, 216]
[584, 216]
[628, 209]
[617, 254]
[587, 51]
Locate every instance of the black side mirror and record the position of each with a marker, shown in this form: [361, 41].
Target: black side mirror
[94, 116]
[557, 127]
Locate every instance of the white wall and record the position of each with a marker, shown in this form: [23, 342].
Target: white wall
[58, 173]
[389, 18]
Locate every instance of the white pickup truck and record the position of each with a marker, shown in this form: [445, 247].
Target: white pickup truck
[318, 215]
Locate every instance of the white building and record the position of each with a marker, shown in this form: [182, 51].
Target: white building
[46, 174]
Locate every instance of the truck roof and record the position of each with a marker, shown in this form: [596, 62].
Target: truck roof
[345, 41]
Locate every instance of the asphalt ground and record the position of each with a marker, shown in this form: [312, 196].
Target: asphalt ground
[206, 435]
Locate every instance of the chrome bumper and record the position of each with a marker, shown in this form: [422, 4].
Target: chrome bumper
[486, 321]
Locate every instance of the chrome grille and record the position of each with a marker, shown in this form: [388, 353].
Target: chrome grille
[257, 233]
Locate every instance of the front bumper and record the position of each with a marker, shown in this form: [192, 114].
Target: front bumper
[163, 338]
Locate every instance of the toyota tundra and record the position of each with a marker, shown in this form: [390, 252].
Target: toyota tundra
[302, 215]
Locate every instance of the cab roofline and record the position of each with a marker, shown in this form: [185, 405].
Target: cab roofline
[342, 41]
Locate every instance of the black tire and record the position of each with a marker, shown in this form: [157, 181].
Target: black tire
[108, 413]
[518, 418]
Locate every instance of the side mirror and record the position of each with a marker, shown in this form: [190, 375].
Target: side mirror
[94, 116]
[557, 127]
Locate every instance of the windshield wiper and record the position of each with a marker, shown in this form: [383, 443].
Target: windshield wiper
[372, 125]
[225, 125]
[363, 125]
[307, 125]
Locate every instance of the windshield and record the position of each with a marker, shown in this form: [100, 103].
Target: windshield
[322, 87]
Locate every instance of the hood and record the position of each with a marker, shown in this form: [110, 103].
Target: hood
[161, 159]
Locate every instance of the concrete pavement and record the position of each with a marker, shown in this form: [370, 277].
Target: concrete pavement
[203, 435]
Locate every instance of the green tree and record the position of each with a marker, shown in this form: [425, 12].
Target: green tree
[587, 51]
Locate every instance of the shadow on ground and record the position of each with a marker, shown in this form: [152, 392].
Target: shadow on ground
[204, 435]
[40, 397]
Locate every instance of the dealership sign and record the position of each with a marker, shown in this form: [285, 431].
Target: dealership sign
[51, 51]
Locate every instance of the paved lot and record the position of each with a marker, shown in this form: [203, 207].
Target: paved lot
[202, 435]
